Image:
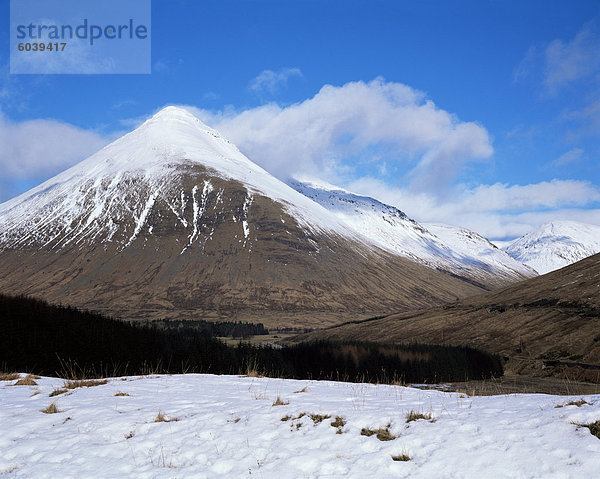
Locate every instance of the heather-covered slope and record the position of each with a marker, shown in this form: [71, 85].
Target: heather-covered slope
[554, 317]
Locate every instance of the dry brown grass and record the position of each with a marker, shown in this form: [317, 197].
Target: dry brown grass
[9, 376]
[280, 402]
[160, 417]
[339, 422]
[415, 416]
[84, 383]
[319, 418]
[51, 409]
[594, 427]
[11, 468]
[57, 392]
[381, 433]
[403, 457]
[28, 380]
[121, 394]
[579, 403]
[303, 390]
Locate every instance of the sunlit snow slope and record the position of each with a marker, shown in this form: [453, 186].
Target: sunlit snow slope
[438, 246]
[112, 192]
[555, 245]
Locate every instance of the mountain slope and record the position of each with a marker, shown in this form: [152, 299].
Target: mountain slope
[172, 220]
[555, 245]
[554, 317]
[442, 247]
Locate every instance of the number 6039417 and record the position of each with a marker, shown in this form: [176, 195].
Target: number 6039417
[42, 47]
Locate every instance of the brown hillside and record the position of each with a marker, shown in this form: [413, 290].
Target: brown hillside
[281, 274]
[545, 325]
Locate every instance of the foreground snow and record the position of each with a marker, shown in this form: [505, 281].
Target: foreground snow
[227, 426]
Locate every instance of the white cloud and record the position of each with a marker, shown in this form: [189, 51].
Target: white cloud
[566, 62]
[495, 211]
[269, 81]
[37, 149]
[370, 123]
[570, 156]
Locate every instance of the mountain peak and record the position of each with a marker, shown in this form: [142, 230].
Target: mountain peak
[173, 112]
[177, 115]
[556, 244]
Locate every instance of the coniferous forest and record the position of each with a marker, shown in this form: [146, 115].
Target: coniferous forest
[44, 339]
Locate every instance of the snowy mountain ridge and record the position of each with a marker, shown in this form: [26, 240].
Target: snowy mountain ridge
[555, 245]
[86, 201]
[438, 246]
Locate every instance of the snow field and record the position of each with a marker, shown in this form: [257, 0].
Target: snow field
[227, 426]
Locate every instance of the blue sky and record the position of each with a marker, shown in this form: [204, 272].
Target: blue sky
[480, 113]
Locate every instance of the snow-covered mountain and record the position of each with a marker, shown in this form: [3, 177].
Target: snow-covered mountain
[172, 220]
[444, 247]
[555, 245]
[92, 201]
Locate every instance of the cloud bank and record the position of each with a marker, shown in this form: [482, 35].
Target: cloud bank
[35, 150]
[357, 126]
[378, 138]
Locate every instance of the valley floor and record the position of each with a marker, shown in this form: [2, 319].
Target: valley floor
[229, 426]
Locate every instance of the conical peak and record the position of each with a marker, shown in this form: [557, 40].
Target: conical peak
[176, 113]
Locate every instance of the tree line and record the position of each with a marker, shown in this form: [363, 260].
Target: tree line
[45, 339]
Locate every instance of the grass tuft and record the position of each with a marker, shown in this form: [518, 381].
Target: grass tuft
[303, 390]
[594, 428]
[339, 422]
[160, 417]
[403, 457]
[9, 376]
[84, 383]
[579, 403]
[280, 402]
[57, 392]
[28, 380]
[414, 416]
[381, 434]
[318, 418]
[121, 394]
[52, 409]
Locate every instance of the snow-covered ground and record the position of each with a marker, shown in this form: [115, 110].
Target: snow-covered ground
[227, 426]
